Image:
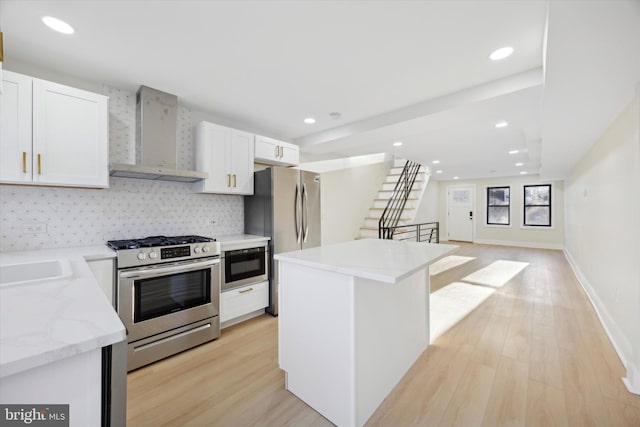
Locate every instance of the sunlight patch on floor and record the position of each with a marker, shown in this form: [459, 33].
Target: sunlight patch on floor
[496, 274]
[447, 263]
[452, 303]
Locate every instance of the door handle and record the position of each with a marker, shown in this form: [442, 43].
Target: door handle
[305, 218]
[39, 164]
[235, 182]
[277, 151]
[24, 162]
[470, 214]
[296, 214]
[228, 180]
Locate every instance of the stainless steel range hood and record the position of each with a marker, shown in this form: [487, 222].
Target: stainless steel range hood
[156, 147]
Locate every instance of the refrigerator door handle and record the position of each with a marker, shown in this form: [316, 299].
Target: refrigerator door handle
[297, 213]
[305, 218]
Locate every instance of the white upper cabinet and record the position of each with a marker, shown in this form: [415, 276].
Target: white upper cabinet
[52, 134]
[273, 152]
[226, 154]
[15, 128]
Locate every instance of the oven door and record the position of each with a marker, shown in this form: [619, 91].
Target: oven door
[244, 267]
[156, 299]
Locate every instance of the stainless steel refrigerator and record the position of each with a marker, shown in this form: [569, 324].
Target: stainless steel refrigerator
[285, 206]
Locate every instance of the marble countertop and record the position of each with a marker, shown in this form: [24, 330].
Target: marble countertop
[45, 321]
[387, 261]
[241, 241]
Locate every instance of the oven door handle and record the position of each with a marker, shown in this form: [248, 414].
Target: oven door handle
[157, 271]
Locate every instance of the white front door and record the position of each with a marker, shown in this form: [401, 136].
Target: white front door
[460, 212]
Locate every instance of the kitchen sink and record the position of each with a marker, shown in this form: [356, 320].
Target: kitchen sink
[30, 272]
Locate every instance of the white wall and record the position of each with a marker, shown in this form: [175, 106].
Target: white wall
[514, 234]
[347, 195]
[428, 210]
[603, 233]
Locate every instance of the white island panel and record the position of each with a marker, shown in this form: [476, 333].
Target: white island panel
[315, 342]
[392, 331]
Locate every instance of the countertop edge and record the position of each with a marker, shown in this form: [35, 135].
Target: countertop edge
[104, 328]
[361, 272]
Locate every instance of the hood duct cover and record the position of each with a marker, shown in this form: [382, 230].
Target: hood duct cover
[156, 147]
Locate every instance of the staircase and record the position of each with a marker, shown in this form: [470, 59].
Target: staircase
[370, 227]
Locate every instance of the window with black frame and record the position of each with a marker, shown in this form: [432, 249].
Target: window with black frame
[537, 205]
[498, 205]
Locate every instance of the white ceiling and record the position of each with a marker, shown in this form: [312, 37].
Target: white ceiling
[410, 71]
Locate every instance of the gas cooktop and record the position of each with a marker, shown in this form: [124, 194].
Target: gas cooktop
[157, 241]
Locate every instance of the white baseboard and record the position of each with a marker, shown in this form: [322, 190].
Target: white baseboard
[620, 343]
[534, 245]
[242, 318]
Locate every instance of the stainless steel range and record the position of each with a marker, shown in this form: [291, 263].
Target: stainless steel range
[168, 294]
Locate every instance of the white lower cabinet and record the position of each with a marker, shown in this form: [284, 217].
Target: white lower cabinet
[240, 304]
[75, 381]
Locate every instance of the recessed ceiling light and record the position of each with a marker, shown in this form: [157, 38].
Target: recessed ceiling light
[438, 171]
[309, 120]
[435, 162]
[523, 173]
[501, 53]
[456, 177]
[57, 25]
[502, 124]
[519, 164]
[513, 152]
[397, 143]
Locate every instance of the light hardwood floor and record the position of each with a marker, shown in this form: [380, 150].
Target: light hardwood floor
[533, 354]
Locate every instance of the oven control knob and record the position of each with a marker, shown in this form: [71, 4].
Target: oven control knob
[153, 255]
[196, 249]
[205, 249]
[141, 256]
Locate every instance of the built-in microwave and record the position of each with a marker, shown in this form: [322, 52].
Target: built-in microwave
[244, 267]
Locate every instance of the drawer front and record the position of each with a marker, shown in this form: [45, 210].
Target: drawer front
[239, 301]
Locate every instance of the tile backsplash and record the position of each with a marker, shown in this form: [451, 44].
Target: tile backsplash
[130, 208]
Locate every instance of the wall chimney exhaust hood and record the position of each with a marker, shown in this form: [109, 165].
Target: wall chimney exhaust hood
[156, 146]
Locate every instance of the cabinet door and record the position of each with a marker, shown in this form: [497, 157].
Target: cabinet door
[15, 128]
[273, 152]
[241, 169]
[266, 150]
[290, 154]
[70, 136]
[241, 301]
[212, 152]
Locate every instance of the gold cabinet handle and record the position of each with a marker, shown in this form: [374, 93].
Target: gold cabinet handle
[39, 164]
[234, 180]
[24, 162]
[228, 180]
[281, 151]
[245, 290]
[277, 151]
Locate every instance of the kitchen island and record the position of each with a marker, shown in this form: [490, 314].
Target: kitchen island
[354, 317]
